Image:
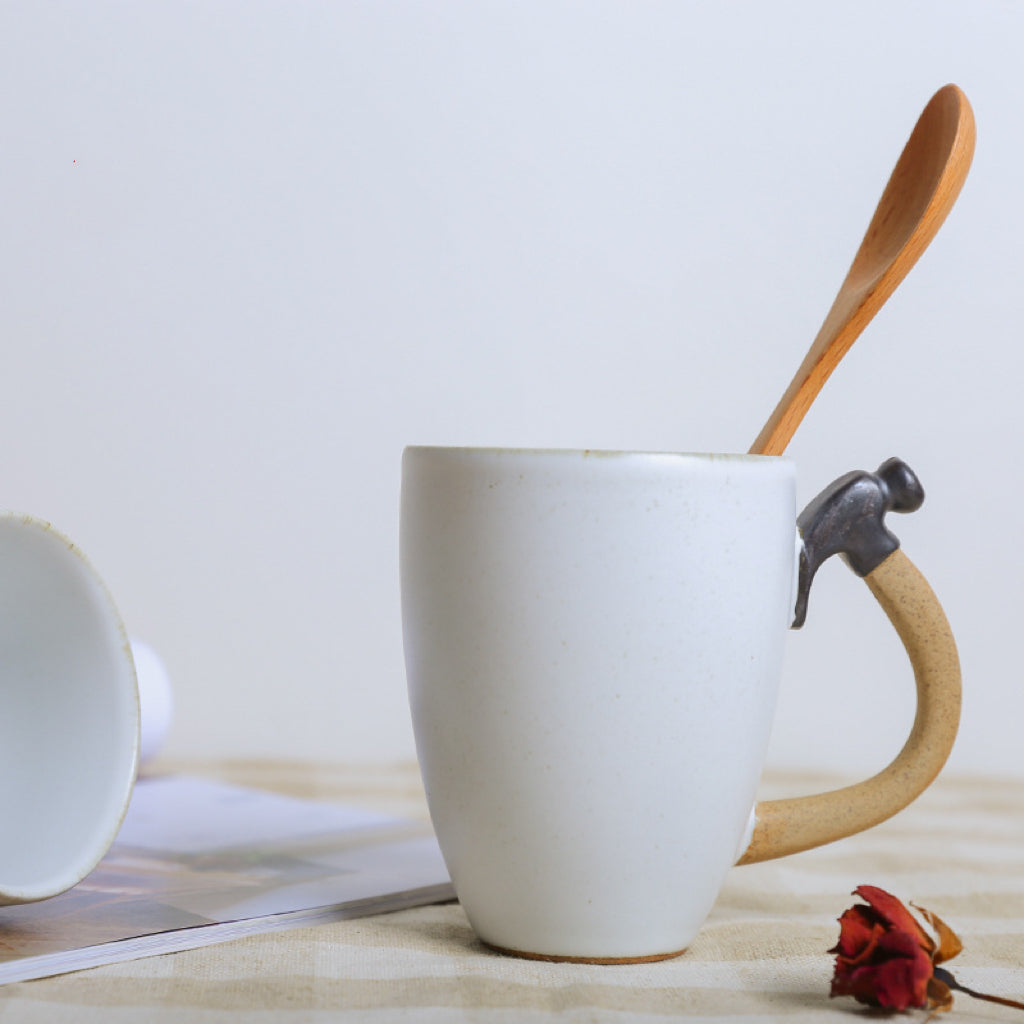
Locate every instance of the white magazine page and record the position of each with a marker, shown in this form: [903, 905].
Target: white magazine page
[199, 861]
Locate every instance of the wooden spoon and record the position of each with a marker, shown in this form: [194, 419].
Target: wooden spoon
[923, 187]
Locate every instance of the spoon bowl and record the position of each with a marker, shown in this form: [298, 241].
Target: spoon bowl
[921, 191]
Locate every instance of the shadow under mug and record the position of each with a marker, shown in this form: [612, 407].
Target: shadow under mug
[594, 644]
[69, 732]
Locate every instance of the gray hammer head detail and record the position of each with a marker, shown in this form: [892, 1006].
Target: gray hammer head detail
[847, 518]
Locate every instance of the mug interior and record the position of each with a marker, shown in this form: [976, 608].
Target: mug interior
[70, 723]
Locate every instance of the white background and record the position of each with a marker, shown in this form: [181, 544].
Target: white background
[250, 250]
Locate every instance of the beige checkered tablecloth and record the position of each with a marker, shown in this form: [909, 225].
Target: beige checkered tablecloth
[761, 957]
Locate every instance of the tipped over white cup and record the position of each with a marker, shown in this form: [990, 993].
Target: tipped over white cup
[69, 726]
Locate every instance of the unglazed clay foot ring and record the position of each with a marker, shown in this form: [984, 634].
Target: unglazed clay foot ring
[600, 960]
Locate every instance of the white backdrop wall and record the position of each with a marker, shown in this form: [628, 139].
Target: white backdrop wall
[250, 250]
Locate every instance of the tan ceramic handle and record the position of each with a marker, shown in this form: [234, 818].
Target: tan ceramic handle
[789, 826]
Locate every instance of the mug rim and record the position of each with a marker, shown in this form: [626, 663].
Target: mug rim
[598, 453]
[598, 462]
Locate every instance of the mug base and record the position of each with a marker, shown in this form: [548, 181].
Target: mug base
[600, 960]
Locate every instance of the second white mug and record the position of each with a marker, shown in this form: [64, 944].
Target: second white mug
[69, 731]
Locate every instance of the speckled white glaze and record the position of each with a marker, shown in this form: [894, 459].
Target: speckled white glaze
[593, 648]
[69, 731]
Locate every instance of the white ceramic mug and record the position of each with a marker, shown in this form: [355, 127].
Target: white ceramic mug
[594, 644]
[69, 731]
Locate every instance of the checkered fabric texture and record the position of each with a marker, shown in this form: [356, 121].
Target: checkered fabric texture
[761, 956]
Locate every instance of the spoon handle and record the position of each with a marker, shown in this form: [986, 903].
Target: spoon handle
[906, 212]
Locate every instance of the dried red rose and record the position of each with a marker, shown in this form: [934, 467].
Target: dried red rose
[885, 958]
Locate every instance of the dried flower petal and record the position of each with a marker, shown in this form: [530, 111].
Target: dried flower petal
[949, 942]
[895, 914]
[940, 995]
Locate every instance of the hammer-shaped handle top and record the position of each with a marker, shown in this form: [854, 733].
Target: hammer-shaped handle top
[848, 519]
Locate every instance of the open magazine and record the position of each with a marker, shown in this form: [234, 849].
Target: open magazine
[198, 862]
